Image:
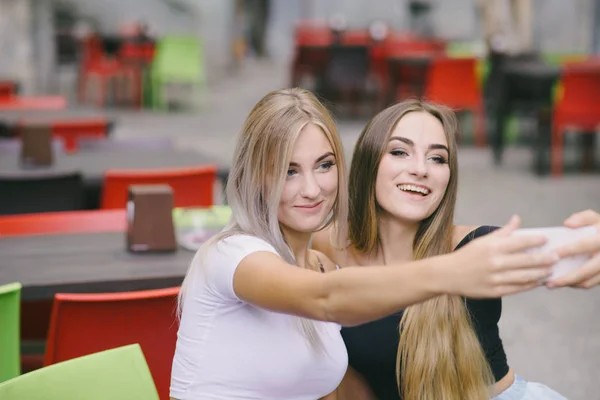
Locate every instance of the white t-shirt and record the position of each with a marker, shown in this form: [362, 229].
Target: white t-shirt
[229, 349]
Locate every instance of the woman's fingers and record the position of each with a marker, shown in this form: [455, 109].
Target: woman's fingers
[527, 260]
[585, 277]
[583, 218]
[584, 246]
[514, 289]
[513, 223]
[530, 276]
[518, 243]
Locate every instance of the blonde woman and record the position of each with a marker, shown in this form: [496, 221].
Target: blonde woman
[402, 195]
[260, 318]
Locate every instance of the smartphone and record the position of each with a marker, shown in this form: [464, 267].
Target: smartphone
[558, 237]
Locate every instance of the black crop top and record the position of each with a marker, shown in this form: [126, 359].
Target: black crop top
[372, 347]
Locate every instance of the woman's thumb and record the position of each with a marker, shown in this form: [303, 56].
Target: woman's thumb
[513, 223]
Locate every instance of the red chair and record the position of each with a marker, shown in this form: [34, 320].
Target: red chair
[96, 66]
[142, 53]
[8, 89]
[579, 107]
[71, 131]
[356, 38]
[453, 82]
[63, 222]
[401, 44]
[83, 324]
[191, 186]
[312, 33]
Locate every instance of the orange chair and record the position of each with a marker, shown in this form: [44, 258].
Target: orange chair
[453, 82]
[191, 186]
[579, 107]
[83, 324]
[71, 131]
[63, 222]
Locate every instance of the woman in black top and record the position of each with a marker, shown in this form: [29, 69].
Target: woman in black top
[402, 192]
[372, 347]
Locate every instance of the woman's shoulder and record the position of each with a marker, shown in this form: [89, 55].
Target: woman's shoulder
[463, 234]
[235, 246]
[243, 239]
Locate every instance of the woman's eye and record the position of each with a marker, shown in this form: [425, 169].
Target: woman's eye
[439, 160]
[291, 172]
[398, 153]
[326, 165]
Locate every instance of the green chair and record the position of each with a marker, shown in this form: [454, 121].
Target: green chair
[10, 312]
[179, 60]
[116, 374]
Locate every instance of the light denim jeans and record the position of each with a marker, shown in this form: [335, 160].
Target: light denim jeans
[523, 390]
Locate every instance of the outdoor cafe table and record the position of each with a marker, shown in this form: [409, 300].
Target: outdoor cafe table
[85, 263]
[93, 164]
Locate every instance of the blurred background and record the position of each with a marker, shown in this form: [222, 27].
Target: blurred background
[93, 92]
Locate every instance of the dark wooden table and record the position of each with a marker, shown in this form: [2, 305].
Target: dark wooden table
[92, 165]
[87, 263]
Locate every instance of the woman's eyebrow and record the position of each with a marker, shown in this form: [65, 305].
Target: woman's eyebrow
[321, 158]
[435, 146]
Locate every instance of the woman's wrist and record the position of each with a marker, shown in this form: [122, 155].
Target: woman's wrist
[441, 276]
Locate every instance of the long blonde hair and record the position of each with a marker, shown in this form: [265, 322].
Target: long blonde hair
[261, 159]
[439, 354]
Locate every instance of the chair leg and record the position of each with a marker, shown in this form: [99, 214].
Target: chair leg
[137, 88]
[82, 81]
[556, 153]
[103, 97]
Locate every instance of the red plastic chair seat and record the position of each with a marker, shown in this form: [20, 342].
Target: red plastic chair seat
[191, 186]
[83, 324]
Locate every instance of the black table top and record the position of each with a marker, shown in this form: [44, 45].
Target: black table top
[85, 263]
[532, 69]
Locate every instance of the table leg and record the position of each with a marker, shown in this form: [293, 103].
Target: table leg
[542, 140]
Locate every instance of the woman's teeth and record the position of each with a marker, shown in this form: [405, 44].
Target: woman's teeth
[413, 188]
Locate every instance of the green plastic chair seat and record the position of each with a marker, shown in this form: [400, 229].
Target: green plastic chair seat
[179, 60]
[10, 311]
[116, 374]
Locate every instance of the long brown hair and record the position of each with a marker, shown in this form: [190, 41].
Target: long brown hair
[439, 355]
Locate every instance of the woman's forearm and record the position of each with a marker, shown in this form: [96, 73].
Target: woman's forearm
[356, 295]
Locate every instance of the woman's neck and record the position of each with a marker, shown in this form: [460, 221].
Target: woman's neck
[397, 240]
[298, 242]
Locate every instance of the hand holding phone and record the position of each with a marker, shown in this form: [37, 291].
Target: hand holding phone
[558, 237]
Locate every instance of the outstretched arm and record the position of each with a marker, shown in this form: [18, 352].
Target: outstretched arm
[492, 266]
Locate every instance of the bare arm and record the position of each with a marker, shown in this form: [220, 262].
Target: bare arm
[492, 266]
[350, 296]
